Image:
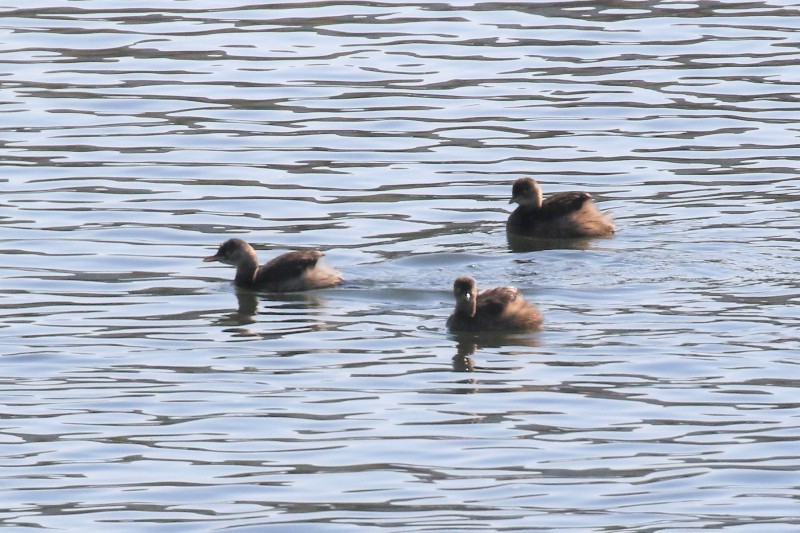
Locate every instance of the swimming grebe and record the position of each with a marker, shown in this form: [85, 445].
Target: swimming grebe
[293, 271]
[563, 215]
[497, 309]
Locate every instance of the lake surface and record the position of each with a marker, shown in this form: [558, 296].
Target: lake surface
[141, 392]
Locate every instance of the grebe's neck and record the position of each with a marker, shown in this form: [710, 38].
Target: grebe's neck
[246, 268]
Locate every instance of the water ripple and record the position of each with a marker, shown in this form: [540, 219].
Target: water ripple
[142, 390]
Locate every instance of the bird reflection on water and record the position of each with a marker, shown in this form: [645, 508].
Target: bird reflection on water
[283, 309]
[468, 344]
[522, 244]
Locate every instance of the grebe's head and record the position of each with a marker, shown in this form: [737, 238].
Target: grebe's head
[233, 252]
[526, 192]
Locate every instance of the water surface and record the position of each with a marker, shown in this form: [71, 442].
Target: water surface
[141, 391]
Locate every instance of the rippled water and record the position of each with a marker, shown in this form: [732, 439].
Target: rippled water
[141, 392]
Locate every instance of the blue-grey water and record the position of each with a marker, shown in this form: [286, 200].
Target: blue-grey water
[139, 391]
